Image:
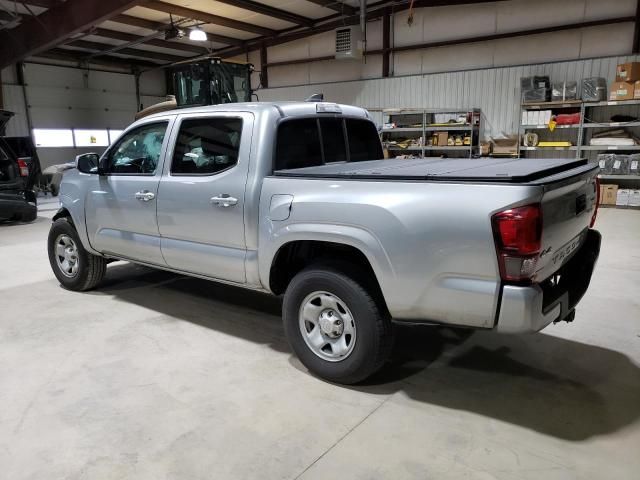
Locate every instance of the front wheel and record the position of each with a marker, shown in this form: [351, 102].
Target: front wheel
[334, 326]
[74, 267]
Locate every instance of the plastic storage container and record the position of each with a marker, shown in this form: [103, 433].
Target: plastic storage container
[561, 91]
[535, 89]
[594, 89]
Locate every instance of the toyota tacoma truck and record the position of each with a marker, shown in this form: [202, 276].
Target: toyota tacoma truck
[296, 199]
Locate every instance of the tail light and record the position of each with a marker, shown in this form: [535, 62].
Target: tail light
[24, 167]
[595, 210]
[518, 234]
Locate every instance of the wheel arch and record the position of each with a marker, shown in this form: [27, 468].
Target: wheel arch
[63, 212]
[295, 255]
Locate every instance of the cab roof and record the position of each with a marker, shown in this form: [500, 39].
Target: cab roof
[286, 109]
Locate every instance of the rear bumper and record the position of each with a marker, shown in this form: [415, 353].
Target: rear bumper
[23, 204]
[531, 308]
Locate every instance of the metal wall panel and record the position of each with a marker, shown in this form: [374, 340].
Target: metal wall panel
[496, 90]
[60, 97]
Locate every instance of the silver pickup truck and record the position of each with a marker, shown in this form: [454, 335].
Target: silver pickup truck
[295, 198]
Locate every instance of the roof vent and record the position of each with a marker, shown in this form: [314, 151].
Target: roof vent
[348, 43]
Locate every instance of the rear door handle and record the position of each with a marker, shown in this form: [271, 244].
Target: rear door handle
[224, 200]
[145, 196]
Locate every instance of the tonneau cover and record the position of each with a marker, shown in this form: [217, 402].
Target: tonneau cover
[511, 170]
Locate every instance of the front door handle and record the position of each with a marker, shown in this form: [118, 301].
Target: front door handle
[145, 196]
[224, 201]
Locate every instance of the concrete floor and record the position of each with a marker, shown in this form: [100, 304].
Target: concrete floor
[158, 376]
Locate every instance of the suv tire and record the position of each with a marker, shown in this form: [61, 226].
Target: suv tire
[335, 326]
[74, 267]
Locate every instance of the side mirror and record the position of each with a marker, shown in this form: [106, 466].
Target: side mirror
[87, 162]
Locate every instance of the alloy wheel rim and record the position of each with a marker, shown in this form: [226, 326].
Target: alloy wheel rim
[327, 326]
[66, 252]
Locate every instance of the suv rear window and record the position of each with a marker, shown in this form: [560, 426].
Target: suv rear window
[309, 142]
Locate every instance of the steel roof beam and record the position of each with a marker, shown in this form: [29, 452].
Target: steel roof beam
[273, 12]
[207, 17]
[98, 47]
[339, 7]
[56, 25]
[151, 25]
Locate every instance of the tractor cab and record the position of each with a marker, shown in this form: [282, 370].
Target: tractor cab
[209, 81]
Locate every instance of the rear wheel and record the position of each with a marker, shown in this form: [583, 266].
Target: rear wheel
[334, 325]
[74, 267]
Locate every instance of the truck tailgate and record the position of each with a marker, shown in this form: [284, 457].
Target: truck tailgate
[568, 204]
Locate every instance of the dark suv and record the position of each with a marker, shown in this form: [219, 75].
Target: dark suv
[18, 176]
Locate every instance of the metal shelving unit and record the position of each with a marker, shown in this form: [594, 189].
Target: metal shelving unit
[596, 115]
[593, 116]
[572, 133]
[414, 127]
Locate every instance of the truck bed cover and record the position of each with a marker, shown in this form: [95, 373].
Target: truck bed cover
[512, 170]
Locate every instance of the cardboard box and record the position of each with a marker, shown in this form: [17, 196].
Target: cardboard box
[608, 194]
[622, 197]
[442, 138]
[504, 146]
[636, 89]
[621, 91]
[634, 198]
[628, 72]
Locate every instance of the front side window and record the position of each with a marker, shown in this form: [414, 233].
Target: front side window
[138, 151]
[207, 146]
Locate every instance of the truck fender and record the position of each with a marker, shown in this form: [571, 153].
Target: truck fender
[64, 212]
[356, 237]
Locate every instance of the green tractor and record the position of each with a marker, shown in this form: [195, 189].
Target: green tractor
[205, 82]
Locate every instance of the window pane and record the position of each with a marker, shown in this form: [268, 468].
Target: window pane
[113, 135]
[191, 85]
[364, 142]
[138, 152]
[229, 83]
[53, 137]
[298, 144]
[91, 138]
[333, 140]
[206, 146]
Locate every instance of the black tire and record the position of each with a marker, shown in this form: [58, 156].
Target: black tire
[91, 268]
[54, 189]
[374, 335]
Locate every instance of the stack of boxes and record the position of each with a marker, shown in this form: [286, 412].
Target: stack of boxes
[621, 197]
[536, 117]
[627, 84]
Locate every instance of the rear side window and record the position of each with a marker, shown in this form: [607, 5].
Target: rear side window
[206, 146]
[298, 144]
[364, 143]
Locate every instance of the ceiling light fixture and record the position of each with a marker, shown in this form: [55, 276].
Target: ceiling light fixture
[198, 35]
